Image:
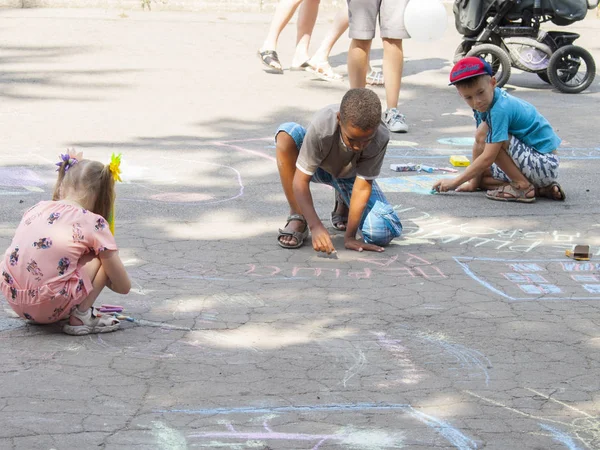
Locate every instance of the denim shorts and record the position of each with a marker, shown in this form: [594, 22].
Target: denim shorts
[541, 169]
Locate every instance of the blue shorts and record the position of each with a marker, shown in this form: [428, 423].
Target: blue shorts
[541, 169]
[380, 223]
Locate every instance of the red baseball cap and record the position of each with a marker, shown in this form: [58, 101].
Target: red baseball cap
[469, 67]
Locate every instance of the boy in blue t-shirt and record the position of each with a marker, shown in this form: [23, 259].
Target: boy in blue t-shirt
[514, 155]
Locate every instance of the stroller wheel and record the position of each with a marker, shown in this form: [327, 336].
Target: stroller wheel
[571, 69]
[544, 77]
[497, 58]
[461, 50]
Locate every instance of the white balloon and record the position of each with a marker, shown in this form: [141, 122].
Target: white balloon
[425, 20]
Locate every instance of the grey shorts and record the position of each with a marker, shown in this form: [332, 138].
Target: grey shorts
[363, 18]
[541, 169]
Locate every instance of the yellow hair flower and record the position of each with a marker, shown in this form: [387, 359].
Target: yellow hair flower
[115, 166]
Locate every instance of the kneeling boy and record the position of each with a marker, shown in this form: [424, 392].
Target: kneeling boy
[343, 147]
[514, 155]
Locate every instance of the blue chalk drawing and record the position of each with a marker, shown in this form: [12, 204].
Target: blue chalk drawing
[458, 141]
[465, 356]
[561, 437]
[585, 278]
[417, 184]
[562, 288]
[593, 288]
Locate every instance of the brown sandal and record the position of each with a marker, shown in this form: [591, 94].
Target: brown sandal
[510, 193]
[300, 236]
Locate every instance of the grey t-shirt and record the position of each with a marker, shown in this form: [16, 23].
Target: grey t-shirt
[323, 147]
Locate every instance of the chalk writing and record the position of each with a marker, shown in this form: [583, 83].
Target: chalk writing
[404, 265]
[550, 279]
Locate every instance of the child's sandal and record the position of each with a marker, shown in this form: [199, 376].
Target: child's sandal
[93, 322]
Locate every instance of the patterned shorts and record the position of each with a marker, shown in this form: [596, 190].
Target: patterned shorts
[541, 169]
[48, 303]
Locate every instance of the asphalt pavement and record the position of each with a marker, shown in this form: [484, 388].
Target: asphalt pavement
[472, 331]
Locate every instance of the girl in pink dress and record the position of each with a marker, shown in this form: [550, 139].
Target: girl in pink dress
[63, 253]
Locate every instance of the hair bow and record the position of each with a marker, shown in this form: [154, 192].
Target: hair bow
[69, 159]
[115, 166]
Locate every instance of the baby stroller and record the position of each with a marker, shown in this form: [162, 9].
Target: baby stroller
[507, 33]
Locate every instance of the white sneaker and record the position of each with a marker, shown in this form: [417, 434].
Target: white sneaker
[394, 121]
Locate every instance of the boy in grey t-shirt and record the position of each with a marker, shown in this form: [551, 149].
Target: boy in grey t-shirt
[343, 147]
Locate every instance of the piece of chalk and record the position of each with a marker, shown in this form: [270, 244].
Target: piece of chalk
[128, 319]
[112, 306]
[433, 191]
[110, 310]
[332, 255]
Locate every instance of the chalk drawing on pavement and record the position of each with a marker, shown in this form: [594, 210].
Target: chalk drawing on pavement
[534, 279]
[350, 437]
[230, 181]
[417, 184]
[458, 141]
[438, 349]
[19, 181]
[420, 227]
[584, 429]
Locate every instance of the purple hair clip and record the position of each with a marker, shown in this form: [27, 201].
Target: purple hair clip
[70, 159]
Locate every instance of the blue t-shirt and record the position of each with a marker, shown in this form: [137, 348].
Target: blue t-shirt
[510, 115]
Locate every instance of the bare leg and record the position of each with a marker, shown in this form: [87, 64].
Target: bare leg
[340, 25]
[93, 267]
[287, 154]
[393, 64]
[489, 182]
[358, 61]
[283, 13]
[478, 147]
[307, 17]
[508, 166]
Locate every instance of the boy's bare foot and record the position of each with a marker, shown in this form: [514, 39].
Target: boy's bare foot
[553, 191]
[294, 232]
[467, 187]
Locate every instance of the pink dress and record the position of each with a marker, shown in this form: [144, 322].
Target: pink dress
[41, 275]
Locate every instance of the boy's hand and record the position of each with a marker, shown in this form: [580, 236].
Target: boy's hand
[359, 246]
[321, 240]
[444, 185]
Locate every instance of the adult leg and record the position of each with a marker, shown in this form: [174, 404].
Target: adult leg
[362, 23]
[393, 64]
[307, 17]
[286, 151]
[340, 25]
[283, 13]
[358, 62]
[392, 34]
